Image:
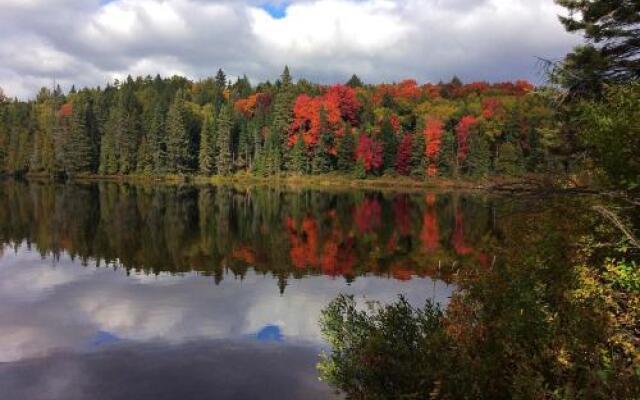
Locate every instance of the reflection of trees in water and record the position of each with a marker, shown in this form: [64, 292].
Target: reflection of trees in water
[185, 228]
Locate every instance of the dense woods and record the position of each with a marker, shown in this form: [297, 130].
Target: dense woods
[156, 126]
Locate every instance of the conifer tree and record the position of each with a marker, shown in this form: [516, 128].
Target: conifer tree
[418, 146]
[78, 149]
[158, 140]
[224, 126]
[178, 141]
[323, 159]
[108, 152]
[346, 150]
[207, 154]
[299, 157]
[277, 151]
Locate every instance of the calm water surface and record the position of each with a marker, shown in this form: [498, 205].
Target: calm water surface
[116, 291]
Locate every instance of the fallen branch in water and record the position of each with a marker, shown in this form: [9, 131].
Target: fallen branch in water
[611, 216]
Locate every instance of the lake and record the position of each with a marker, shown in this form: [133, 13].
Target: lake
[134, 291]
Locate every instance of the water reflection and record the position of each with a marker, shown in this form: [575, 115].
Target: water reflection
[100, 281]
[211, 230]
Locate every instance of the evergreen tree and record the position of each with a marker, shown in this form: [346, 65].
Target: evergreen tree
[509, 160]
[354, 82]
[478, 159]
[446, 158]
[418, 159]
[78, 149]
[108, 151]
[299, 157]
[323, 159]
[346, 150]
[178, 141]
[207, 155]
[277, 146]
[158, 140]
[224, 126]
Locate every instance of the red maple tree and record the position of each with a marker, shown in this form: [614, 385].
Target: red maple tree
[369, 151]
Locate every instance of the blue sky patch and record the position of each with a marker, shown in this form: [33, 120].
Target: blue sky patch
[276, 10]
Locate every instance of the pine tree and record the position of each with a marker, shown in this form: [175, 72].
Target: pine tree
[207, 154]
[224, 141]
[346, 150]
[178, 140]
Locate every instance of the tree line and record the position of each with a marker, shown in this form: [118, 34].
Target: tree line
[163, 126]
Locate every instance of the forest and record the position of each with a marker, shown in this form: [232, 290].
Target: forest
[216, 126]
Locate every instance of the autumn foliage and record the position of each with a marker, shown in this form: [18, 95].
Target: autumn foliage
[340, 106]
[369, 152]
[463, 130]
[433, 138]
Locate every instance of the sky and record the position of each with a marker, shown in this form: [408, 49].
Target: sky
[93, 42]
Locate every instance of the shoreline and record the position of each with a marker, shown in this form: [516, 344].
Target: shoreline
[524, 184]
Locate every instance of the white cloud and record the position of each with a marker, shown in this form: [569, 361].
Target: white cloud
[86, 42]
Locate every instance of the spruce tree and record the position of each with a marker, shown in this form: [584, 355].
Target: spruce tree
[224, 125]
[207, 154]
[108, 152]
[278, 150]
[299, 157]
[346, 150]
[78, 149]
[158, 140]
[178, 140]
[418, 163]
[446, 158]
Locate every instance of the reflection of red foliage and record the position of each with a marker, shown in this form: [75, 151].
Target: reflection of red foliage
[401, 273]
[336, 256]
[459, 244]
[403, 157]
[430, 234]
[401, 217]
[368, 215]
[463, 129]
[304, 244]
[433, 137]
[244, 253]
[370, 152]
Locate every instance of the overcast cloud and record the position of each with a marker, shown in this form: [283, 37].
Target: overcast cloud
[92, 42]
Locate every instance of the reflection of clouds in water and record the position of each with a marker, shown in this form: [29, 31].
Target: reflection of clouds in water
[43, 308]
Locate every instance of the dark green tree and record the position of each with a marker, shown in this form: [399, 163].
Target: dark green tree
[207, 155]
[346, 150]
[224, 160]
[179, 157]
